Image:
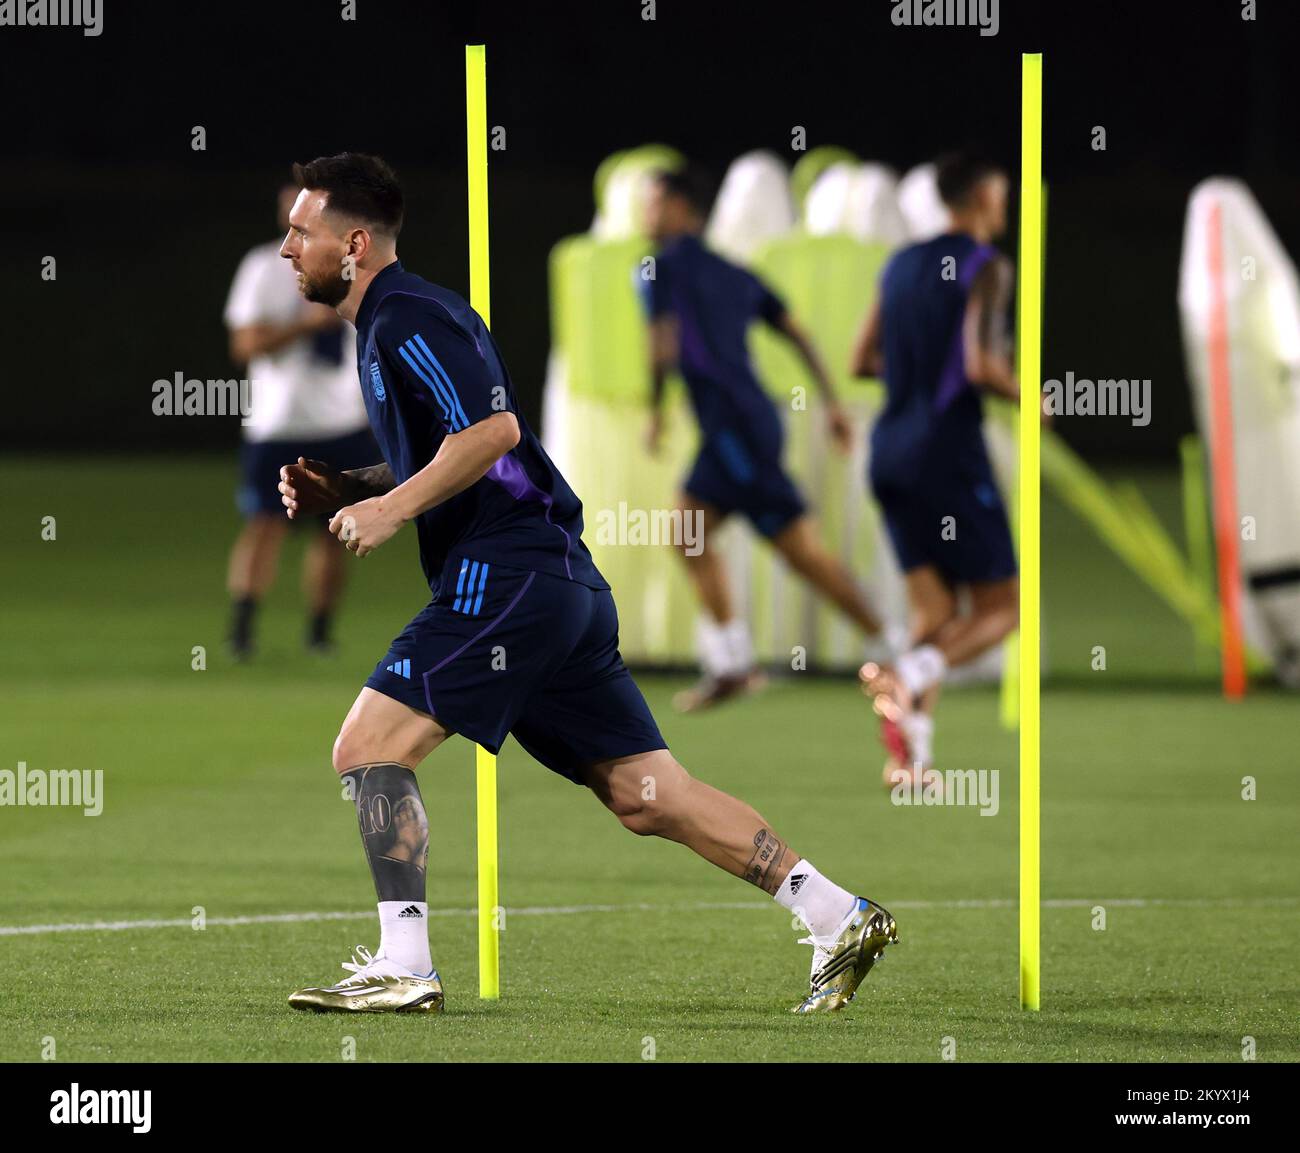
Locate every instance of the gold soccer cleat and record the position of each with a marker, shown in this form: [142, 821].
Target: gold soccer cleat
[377, 985]
[841, 961]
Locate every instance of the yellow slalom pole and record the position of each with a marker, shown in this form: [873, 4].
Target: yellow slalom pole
[476, 136]
[1028, 360]
[1009, 697]
[489, 931]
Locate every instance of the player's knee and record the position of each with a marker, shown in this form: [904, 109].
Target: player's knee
[638, 811]
[1006, 606]
[268, 528]
[926, 624]
[352, 748]
[1003, 616]
[648, 806]
[644, 820]
[342, 751]
[802, 560]
[1009, 618]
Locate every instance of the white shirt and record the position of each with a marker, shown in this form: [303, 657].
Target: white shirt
[293, 393]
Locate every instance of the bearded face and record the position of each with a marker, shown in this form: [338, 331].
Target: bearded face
[317, 251]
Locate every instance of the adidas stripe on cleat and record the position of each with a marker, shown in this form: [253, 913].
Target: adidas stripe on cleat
[842, 960]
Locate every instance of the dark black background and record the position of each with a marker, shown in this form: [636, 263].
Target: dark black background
[99, 171]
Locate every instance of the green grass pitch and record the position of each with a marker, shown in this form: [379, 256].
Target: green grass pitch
[219, 794]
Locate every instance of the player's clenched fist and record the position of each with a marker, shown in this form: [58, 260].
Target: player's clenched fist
[365, 526]
[311, 487]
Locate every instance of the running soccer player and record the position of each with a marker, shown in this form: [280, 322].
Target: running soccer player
[521, 633]
[700, 307]
[937, 334]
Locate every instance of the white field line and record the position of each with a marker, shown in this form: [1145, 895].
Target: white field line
[570, 910]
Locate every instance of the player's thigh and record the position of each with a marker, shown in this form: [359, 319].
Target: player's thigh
[379, 728]
[800, 543]
[267, 529]
[589, 711]
[931, 600]
[320, 540]
[700, 522]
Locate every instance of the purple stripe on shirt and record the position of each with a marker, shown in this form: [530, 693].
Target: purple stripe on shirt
[510, 475]
[953, 378]
[978, 258]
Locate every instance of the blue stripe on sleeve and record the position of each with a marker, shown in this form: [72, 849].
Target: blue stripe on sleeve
[446, 380]
[410, 354]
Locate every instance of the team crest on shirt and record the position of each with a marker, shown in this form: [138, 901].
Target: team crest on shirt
[376, 381]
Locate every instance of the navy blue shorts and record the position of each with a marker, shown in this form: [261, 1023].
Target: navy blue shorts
[974, 547]
[260, 463]
[732, 476]
[506, 650]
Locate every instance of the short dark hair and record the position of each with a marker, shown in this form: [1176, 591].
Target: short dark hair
[958, 173]
[357, 185]
[689, 182]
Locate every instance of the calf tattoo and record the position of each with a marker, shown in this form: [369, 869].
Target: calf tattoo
[394, 828]
[764, 868]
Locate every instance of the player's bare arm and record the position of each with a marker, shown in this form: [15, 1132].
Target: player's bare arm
[868, 359]
[373, 480]
[986, 347]
[312, 487]
[841, 427]
[663, 359]
[463, 459]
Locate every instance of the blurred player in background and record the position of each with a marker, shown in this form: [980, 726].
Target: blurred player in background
[700, 308]
[937, 336]
[304, 402]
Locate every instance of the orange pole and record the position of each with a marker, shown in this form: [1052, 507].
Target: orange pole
[1223, 468]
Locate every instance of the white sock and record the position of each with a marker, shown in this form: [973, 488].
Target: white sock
[404, 934]
[920, 733]
[920, 668]
[740, 649]
[711, 645]
[820, 904]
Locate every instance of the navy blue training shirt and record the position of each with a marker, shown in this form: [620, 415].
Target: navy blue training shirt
[714, 302]
[931, 422]
[429, 368]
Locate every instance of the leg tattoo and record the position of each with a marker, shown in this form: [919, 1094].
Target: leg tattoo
[394, 828]
[764, 868]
